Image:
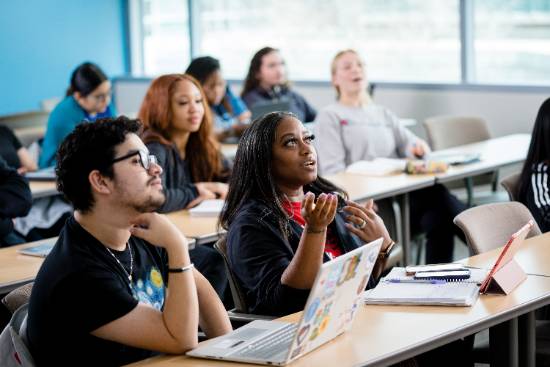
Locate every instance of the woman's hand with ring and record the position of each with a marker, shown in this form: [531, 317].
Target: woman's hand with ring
[365, 223]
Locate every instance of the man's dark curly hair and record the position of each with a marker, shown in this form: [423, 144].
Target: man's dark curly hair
[91, 146]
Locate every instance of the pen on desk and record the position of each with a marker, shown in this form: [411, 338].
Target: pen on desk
[425, 281]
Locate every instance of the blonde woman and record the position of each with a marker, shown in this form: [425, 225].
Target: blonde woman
[355, 128]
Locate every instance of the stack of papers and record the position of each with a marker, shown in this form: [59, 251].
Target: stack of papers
[398, 289]
[378, 167]
[207, 208]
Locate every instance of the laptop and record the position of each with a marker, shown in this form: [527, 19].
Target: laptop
[40, 250]
[330, 310]
[260, 109]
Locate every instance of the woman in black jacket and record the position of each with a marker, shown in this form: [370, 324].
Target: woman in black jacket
[283, 220]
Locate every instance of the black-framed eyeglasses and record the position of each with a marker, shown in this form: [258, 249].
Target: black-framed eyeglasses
[145, 158]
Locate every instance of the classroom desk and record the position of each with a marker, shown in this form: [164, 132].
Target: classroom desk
[17, 269]
[361, 187]
[533, 256]
[41, 189]
[495, 153]
[202, 229]
[383, 335]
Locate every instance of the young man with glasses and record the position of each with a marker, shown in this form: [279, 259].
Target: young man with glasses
[102, 295]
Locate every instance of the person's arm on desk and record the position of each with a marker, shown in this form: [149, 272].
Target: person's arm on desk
[174, 330]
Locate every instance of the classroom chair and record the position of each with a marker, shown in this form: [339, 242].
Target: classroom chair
[450, 131]
[13, 341]
[490, 226]
[511, 185]
[17, 297]
[240, 314]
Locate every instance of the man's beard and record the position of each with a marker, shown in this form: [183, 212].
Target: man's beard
[149, 205]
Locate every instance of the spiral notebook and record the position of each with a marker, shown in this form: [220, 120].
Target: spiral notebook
[397, 288]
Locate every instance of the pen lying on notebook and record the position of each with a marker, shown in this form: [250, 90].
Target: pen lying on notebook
[433, 281]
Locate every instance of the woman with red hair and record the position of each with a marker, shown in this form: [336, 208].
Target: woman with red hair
[178, 131]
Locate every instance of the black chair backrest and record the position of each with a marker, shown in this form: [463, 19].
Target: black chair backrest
[236, 291]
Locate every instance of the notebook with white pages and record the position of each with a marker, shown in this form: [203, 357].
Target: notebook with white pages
[207, 208]
[378, 167]
[397, 288]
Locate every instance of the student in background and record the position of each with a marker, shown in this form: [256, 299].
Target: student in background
[48, 214]
[354, 128]
[231, 117]
[16, 201]
[534, 186]
[14, 153]
[87, 99]
[118, 283]
[266, 81]
[282, 218]
[178, 131]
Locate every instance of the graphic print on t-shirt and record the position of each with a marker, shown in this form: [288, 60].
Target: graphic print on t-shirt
[151, 289]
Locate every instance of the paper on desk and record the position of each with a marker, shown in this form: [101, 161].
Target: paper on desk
[378, 166]
[207, 208]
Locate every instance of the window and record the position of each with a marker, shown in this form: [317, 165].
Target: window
[412, 41]
[512, 42]
[401, 40]
[165, 35]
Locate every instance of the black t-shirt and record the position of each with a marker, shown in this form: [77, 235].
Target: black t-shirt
[9, 145]
[81, 287]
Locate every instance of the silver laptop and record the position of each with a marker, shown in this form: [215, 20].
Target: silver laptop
[260, 109]
[330, 309]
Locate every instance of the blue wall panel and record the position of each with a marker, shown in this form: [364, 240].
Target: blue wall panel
[42, 41]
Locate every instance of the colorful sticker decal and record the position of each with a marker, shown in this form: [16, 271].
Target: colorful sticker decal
[321, 320]
[302, 333]
[296, 352]
[311, 309]
[350, 269]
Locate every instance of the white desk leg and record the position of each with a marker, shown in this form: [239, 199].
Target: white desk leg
[503, 344]
[527, 339]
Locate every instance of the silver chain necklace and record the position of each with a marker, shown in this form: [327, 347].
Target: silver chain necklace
[122, 266]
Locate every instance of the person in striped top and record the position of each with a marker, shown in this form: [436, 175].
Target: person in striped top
[534, 186]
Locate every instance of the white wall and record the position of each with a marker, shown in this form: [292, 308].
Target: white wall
[506, 112]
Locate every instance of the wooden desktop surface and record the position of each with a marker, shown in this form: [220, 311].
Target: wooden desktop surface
[18, 269]
[382, 335]
[202, 229]
[42, 188]
[495, 153]
[533, 256]
[361, 187]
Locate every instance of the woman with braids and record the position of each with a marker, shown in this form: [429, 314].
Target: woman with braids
[282, 219]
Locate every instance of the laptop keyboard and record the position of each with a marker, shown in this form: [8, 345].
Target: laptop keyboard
[270, 345]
